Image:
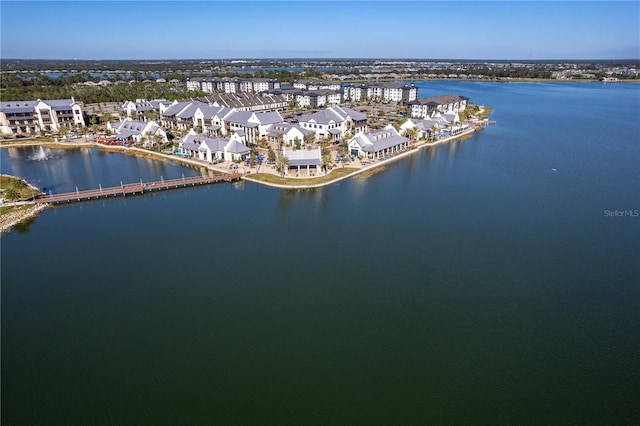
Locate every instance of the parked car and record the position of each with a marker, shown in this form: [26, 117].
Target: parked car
[233, 166]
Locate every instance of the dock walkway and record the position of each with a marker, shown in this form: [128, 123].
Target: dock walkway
[136, 188]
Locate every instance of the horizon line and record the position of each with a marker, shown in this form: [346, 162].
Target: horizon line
[319, 59]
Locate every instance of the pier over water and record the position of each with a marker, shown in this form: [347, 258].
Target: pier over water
[136, 188]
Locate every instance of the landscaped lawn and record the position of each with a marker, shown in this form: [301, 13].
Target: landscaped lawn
[24, 192]
[335, 174]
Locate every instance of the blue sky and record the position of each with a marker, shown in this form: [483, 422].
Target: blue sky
[328, 29]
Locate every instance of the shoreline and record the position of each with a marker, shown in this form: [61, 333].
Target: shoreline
[380, 163]
[11, 219]
[416, 147]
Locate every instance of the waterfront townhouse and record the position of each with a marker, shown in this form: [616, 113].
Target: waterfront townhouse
[149, 133]
[377, 143]
[213, 150]
[292, 134]
[29, 117]
[334, 122]
[425, 129]
[380, 92]
[424, 108]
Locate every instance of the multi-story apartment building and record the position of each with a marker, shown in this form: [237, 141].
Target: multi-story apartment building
[318, 98]
[316, 85]
[380, 92]
[232, 85]
[29, 117]
[425, 108]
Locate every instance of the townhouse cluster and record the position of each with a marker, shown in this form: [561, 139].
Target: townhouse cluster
[39, 116]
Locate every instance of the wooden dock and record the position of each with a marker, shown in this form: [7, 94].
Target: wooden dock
[136, 188]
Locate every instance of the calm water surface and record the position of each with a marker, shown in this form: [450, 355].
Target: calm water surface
[470, 283]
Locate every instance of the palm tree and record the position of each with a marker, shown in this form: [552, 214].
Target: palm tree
[327, 160]
[309, 138]
[157, 139]
[280, 141]
[282, 162]
[411, 133]
[434, 129]
[63, 131]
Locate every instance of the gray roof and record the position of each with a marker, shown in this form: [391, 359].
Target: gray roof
[379, 140]
[284, 127]
[60, 104]
[18, 106]
[236, 147]
[324, 116]
[425, 124]
[439, 100]
[355, 115]
[303, 157]
[194, 143]
[243, 117]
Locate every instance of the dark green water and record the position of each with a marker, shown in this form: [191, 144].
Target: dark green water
[469, 283]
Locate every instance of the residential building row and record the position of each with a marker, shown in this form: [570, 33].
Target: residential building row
[380, 92]
[316, 85]
[324, 92]
[32, 117]
[232, 85]
[333, 123]
[265, 101]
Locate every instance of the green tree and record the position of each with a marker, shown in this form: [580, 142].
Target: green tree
[309, 138]
[271, 155]
[411, 133]
[11, 194]
[63, 131]
[253, 158]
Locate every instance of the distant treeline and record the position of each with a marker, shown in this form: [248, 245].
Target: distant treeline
[34, 85]
[14, 88]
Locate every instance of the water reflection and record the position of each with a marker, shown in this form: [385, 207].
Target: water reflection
[315, 199]
[89, 168]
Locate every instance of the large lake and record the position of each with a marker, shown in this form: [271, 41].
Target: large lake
[494, 280]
